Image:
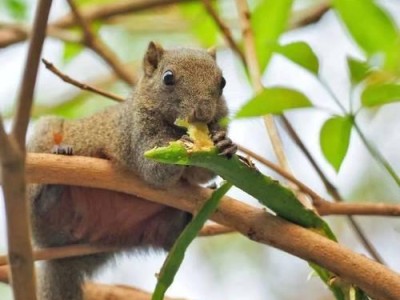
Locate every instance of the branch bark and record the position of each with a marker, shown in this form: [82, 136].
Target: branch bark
[377, 280]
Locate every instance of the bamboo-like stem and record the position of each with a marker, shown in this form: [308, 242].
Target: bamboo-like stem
[255, 76]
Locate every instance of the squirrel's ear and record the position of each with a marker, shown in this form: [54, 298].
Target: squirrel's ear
[213, 52]
[152, 57]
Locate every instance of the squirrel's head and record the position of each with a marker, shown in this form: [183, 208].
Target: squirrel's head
[184, 83]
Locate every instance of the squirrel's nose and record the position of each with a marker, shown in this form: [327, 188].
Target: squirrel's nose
[204, 112]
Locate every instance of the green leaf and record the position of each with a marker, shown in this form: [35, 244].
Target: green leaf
[274, 100]
[359, 70]
[200, 22]
[177, 253]
[268, 191]
[17, 8]
[380, 94]
[71, 50]
[371, 28]
[335, 139]
[300, 53]
[269, 21]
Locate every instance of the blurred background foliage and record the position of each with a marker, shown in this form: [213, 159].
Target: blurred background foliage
[342, 69]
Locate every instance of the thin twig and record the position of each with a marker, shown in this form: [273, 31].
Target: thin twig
[81, 85]
[62, 252]
[100, 48]
[9, 36]
[362, 209]
[226, 32]
[375, 153]
[86, 249]
[309, 15]
[332, 190]
[114, 9]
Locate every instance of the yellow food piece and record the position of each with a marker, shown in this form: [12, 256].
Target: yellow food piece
[199, 133]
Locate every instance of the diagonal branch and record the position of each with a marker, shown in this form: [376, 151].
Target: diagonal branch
[309, 15]
[226, 32]
[25, 96]
[332, 190]
[81, 85]
[100, 48]
[252, 222]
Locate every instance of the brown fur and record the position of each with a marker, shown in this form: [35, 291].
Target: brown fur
[122, 133]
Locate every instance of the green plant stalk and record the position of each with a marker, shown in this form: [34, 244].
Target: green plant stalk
[268, 191]
[376, 154]
[177, 252]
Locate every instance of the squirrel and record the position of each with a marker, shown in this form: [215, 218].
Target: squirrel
[176, 84]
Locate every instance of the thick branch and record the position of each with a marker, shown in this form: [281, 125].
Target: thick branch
[379, 281]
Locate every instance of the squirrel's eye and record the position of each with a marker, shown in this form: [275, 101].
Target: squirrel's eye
[223, 83]
[169, 78]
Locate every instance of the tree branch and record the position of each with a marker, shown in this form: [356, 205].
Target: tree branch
[86, 249]
[100, 48]
[81, 85]
[226, 32]
[107, 11]
[309, 15]
[332, 190]
[12, 158]
[97, 291]
[252, 222]
[25, 96]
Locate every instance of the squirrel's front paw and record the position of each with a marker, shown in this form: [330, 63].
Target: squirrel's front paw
[62, 150]
[224, 144]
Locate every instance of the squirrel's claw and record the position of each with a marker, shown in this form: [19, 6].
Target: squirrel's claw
[224, 144]
[62, 150]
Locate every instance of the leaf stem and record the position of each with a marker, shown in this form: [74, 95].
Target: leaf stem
[376, 154]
